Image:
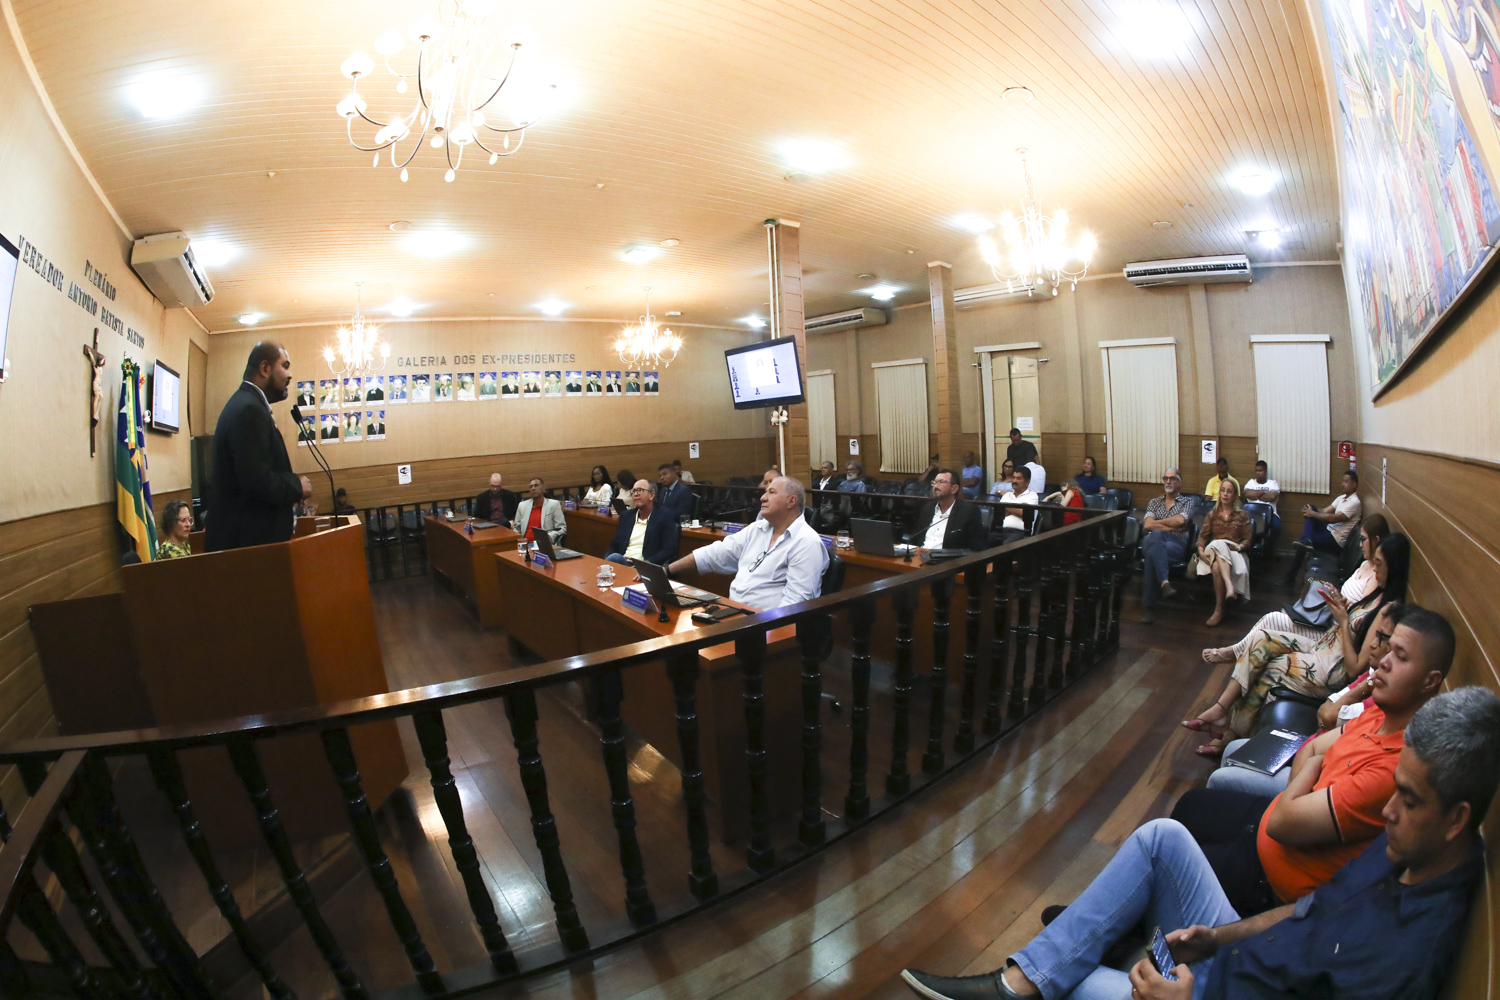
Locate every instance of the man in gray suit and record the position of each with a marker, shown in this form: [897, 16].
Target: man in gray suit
[538, 513]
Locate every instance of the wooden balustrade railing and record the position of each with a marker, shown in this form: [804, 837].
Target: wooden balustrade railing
[1074, 575]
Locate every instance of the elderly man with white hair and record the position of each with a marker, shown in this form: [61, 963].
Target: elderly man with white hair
[1165, 541]
[776, 560]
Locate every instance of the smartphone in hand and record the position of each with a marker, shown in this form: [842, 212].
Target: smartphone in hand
[1162, 955]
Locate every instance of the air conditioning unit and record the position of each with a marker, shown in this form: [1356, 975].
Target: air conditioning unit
[165, 263]
[847, 320]
[1189, 270]
[966, 298]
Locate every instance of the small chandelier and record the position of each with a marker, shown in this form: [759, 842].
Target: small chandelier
[358, 346]
[646, 345]
[1036, 245]
[453, 90]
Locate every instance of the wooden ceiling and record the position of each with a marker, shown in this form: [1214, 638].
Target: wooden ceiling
[673, 113]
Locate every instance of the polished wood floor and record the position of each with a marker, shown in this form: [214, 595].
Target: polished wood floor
[952, 881]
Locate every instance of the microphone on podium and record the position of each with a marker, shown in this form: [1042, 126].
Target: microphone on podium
[312, 443]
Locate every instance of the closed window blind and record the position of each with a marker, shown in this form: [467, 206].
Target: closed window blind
[1291, 403]
[1140, 402]
[822, 441]
[901, 399]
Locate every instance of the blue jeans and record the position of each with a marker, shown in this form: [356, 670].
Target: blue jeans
[1316, 534]
[1159, 875]
[616, 557]
[1159, 549]
[1242, 779]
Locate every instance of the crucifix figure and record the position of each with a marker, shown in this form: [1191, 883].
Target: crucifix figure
[96, 365]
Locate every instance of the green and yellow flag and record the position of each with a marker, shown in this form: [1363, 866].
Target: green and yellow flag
[132, 487]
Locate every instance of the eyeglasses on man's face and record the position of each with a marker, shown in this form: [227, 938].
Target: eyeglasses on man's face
[639, 489]
[1171, 479]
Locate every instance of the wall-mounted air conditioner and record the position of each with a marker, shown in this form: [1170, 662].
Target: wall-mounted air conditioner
[1189, 270]
[849, 319]
[165, 263]
[967, 298]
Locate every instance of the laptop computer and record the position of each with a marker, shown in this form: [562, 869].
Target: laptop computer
[875, 538]
[618, 503]
[666, 593]
[545, 547]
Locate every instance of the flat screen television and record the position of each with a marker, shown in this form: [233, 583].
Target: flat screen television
[166, 399]
[765, 374]
[9, 260]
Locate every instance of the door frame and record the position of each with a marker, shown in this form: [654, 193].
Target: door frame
[987, 402]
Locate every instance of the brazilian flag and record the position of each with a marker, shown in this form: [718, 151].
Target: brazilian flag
[132, 487]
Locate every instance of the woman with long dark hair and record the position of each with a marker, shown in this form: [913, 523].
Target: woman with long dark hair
[600, 488]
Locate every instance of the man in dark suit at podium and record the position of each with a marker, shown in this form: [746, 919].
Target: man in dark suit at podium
[254, 487]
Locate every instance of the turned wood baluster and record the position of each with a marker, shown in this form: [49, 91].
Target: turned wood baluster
[168, 775]
[37, 916]
[1036, 694]
[999, 642]
[1101, 591]
[520, 708]
[1084, 593]
[433, 737]
[1021, 631]
[1057, 621]
[963, 740]
[937, 704]
[609, 691]
[810, 636]
[750, 650]
[340, 753]
[13, 979]
[1119, 578]
[682, 668]
[862, 623]
[246, 761]
[898, 782]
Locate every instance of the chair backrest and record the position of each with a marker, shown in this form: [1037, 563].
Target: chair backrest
[1350, 556]
[833, 576]
[986, 517]
[1097, 501]
[1124, 498]
[914, 487]
[1258, 519]
[1132, 531]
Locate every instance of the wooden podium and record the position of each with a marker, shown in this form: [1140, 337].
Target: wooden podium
[224, 635]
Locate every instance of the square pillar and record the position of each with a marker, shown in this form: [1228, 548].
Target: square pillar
[784, 247]
[946, 366]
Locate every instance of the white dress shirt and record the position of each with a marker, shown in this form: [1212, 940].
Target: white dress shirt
[1013, 520]
[1038, 477]
[939, 526]
[767, 575]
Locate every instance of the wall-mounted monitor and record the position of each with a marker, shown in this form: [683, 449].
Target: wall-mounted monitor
[9, 260]
[765, 374]
[166, 399]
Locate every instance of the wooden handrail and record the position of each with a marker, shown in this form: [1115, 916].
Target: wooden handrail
[25, 842]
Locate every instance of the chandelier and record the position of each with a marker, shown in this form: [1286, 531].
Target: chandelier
[1037, 251]
[646, 345]
[453, 89]
[358, 346]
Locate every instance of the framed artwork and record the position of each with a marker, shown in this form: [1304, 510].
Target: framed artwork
[397, 389]
[305, 429]
[531, 385]
[328, 394]
[552, 385]
[464, 388]
[612, 384]
[353, 426]
[374, 425]
[307, 394]
[593, 383]
[328, 428]
[573, 383]
[632, 383]
[421, 388]
[488, 386]
[354, 393]
[1420, 133]
[510, 385]
[442, 387]
[375, 389]
[650, 382]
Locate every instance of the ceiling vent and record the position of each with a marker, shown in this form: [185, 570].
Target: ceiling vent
[166, 264]
[849, 319]
[1189, 270]
[967, 298]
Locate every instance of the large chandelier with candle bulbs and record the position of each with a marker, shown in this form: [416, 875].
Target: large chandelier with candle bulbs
[358, 347]
[646, 346]
[461, 100]
[1037, 252]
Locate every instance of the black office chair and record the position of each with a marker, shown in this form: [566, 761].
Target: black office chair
[1260, 514]
[1097, 501]
[1290, 710]
[1124, 499]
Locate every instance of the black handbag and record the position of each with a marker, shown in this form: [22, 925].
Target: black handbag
[1311, 610]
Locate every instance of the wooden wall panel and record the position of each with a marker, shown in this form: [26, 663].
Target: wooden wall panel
[1450, 509]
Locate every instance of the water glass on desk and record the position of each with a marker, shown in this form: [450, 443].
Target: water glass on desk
[606, 576]
[843, 540]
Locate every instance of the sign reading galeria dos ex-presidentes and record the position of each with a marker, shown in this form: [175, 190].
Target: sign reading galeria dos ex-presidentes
[443, 360]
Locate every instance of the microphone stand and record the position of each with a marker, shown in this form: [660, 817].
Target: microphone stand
[312, 445]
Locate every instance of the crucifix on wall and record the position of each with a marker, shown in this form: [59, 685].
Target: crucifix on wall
[96, 366]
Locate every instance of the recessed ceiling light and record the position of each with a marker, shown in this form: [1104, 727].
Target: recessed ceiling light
[552, 307]
[811, 156]
[435, 242]
[212, 253]
[164, 96]
[1253, 180]
[670, 243]
[753, 322]
[973, 222]
[401, 307]
[250, 319]
[881, 292]
[639, 255]
[1162, 225]
[1016, 95]
[1269, 239]
[1153, 29]
[866, 277]
[400, 226]
[674, 312]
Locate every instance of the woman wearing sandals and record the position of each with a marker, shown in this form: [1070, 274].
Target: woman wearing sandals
[1221, 542]
[1312, 667]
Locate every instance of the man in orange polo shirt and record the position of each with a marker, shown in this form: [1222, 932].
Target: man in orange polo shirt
[1267, 852]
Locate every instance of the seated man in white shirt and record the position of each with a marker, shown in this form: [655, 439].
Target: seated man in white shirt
[1013, 528]
[1326, 529]
[1265, 489]
[776, 560]
[1038, 476]
[946, 521]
